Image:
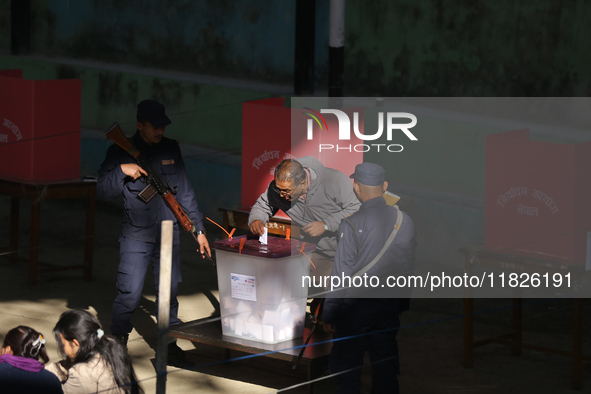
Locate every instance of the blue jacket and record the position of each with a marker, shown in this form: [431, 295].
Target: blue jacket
[142, 221]
[361, 237]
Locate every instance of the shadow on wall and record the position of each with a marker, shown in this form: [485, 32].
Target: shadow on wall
[444, 223]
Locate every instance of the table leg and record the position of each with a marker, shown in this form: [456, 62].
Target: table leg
[516, 320]
[89, 236]
[34, 245]
[316, 369]
[14, 221]
[468, 332]
[468, 320]
[311, 376]
[577, 344]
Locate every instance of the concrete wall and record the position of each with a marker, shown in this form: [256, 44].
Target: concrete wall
[239, 39]
[449, 156]
[468, 48]
[444, 222]
[196, 36]
[393, 48]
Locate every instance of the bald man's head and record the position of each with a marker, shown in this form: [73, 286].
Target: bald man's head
[290, 179]
[290, 171]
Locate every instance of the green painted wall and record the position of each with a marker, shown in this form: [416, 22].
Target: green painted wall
[213, 36]
[468, 48]
[449, 156]
[239, 39]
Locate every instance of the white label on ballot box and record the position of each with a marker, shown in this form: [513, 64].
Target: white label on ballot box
[243, 287]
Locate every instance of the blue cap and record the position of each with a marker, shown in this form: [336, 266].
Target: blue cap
[369, 174]
[153, 112]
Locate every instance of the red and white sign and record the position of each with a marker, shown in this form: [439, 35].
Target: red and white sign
[537, 196]
[39, 128]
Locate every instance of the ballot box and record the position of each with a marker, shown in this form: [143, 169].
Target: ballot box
[260, 287]
[39, 128]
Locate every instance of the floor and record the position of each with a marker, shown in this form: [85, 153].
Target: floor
[430, 337]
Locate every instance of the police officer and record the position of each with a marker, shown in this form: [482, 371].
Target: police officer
[361, 239]
[140, 230]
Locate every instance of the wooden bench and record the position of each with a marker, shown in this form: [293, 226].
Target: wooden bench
[479, 256]
[36, 193]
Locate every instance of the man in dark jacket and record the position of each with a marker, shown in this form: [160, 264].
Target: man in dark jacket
[315, 197]
[140, 230]
[371, 322]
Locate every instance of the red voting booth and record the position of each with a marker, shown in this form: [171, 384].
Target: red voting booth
[39, 128]
[17, 73]
[271, 133]
[537, 196]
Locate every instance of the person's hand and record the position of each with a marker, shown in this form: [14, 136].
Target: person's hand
[257, 227]
[133, 170]
[326, 327]
[203, 245]
[314, 229]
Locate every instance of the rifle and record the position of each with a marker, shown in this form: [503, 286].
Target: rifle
[314, 318]
[155, 184]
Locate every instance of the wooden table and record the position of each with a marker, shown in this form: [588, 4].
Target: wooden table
[238, 217]
[479, 256]
[315, 358]
[37, 192]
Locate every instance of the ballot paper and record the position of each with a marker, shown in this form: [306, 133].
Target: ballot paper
[263, 238]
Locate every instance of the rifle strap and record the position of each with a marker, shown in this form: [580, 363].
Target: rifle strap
[386, 245]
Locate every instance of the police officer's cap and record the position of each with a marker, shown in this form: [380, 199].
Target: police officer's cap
[153, 112]
[369, 174]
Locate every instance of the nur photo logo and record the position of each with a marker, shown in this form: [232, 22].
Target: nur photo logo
[344, 131]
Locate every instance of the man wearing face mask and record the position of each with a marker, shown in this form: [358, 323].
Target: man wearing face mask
[316, 198]
[140, 230]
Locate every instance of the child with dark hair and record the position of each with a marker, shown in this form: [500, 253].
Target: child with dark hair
[92, 361]
[20, 368]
